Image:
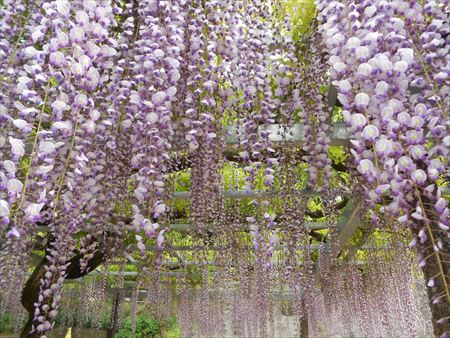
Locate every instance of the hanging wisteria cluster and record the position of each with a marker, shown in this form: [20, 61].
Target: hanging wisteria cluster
[343, 307]
[104, 103]
[389, 61]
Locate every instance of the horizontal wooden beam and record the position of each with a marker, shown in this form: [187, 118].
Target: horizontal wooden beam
[184, 227]
[176, 264]
[277, 247]
[220, 248]
[294, 136]
[237, 194]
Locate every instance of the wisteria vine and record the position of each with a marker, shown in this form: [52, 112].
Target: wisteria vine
[392, 104]
[99, 99]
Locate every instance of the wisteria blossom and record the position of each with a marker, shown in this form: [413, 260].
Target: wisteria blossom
[237, 142]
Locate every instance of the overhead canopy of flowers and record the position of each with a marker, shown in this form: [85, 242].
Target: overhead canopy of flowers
[112, 113]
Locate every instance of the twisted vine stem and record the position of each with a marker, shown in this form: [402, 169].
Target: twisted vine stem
[434, 245]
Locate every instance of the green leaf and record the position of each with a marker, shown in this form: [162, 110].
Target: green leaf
[323, 89]
[53, 81]
[336, 114]
[337, 154]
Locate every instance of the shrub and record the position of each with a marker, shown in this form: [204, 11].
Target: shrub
[5, 322]
[146, 327]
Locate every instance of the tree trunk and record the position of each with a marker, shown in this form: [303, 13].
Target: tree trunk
[441, 309]
[432, 271]
[27, 329]
[30, 292]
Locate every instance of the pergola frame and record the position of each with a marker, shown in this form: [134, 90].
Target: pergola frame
[283, 136]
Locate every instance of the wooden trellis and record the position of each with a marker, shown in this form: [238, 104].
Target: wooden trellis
[280, 136]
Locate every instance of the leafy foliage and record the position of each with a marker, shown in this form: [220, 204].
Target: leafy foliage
[146, 327]
[302, 13]
[6, 322]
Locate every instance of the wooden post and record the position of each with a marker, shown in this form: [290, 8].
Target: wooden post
[304, 330]
[115, 309]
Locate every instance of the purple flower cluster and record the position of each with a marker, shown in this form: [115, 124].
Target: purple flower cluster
[96, 96]
[388, 63]
[149, 99]
[314, 111]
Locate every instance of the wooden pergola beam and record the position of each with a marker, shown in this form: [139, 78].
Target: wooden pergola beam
[237, 194]
[184, 227]
[171, 264]
[345, 228]
[284, 136]
[277, 248]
